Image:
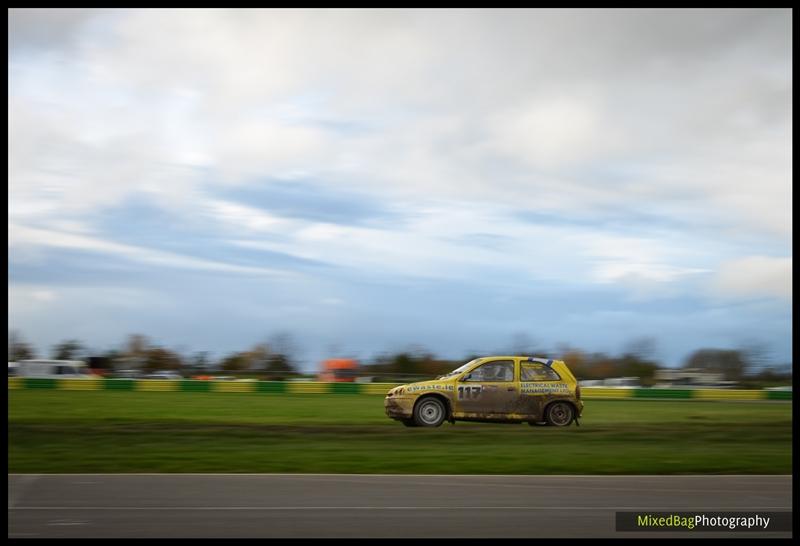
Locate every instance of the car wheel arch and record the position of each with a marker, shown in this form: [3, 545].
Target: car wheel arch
[564, 401]
[444, 399]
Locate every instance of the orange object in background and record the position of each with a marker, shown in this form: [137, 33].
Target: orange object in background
[339, 370]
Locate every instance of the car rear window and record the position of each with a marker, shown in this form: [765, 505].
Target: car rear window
[532, 371]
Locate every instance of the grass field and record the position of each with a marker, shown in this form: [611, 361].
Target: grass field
[63, 431]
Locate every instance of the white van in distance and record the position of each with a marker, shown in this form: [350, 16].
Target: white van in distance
[53, 369]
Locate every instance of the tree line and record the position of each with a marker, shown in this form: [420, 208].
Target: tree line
[274, 358]
[277, 359]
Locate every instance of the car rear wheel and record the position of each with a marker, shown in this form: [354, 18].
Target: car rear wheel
[429, 412]
[560, 414]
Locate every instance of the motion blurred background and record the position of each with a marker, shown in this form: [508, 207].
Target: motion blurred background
[369, 196]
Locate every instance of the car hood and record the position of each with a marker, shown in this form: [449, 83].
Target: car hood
[432, 385]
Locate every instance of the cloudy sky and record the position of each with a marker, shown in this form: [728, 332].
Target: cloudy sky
[366, 180]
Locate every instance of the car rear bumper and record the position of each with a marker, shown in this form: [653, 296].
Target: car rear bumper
[398, 407]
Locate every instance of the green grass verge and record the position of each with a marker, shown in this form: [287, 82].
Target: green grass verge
[60, 431]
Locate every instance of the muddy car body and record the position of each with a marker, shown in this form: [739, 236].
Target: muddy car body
[510, 389]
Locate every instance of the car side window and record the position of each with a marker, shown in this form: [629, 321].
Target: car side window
[532, 371]
[498, 370]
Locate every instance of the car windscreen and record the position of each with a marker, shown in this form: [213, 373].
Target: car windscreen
[462, 368]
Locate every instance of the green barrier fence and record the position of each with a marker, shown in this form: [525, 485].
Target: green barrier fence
[276, 387]
[779, 395]
[191, 385]
[31, 383]
[662, 393]
[301, 388]
[119, 384]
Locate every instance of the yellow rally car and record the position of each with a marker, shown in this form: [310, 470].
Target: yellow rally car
[513, 389]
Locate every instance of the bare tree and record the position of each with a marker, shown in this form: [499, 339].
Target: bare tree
[756, 355]
[282, 358]
[727, 362]
[643, 348]
[136, 345]
[282, 342]
[70, 349]
[18, 348]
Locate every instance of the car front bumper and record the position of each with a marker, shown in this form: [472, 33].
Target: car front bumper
[399, 407]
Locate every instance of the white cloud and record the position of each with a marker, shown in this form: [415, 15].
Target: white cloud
[47, 29]
[478, 111]
[485, 244]
[23, 236]
[555, 132]
[755, 276]
[241, 217]
[25, 298]
[496, 106]
[252, 147]
[615, 258]
[43, 295]
[612, 272]
[28, 299]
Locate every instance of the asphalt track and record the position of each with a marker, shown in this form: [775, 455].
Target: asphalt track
[347, 505]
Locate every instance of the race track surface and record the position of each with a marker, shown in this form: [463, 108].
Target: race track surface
[346, 505]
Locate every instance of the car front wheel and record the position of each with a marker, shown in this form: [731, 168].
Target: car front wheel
[560, 414]
[429, 412]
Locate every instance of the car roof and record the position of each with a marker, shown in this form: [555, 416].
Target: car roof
[540, 359]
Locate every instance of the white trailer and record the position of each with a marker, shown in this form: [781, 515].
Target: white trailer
[53, 369]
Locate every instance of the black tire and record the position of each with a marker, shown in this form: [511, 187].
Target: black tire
[560, 414]
[409, 422]
[429, 412]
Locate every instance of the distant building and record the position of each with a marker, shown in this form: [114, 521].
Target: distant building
[128, 366]
[689, 377]
[339, 370]
[622, 382]
[612, 382]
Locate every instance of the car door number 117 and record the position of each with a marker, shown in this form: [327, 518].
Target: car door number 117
[468, 392]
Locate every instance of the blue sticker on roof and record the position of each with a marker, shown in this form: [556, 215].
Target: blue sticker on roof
[544, 361]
